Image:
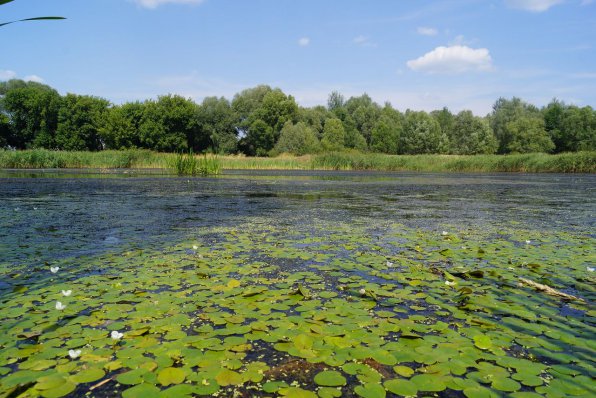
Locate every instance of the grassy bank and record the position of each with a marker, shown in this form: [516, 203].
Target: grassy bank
[581, 162]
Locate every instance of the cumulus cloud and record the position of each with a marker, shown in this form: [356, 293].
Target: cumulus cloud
[7, 74]
[426, 31]
[156, 3]
[303, 41]
[453, 59]
[533, 5]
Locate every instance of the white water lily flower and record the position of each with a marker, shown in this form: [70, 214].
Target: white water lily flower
[444, 233]
[389, 264]
[74, 354]
[60, 306]
[66, 293]
[590, 269]
[53, 270]
[362, 291]
[528, 242]
[195, 247]
[116, 335]
[448, 283]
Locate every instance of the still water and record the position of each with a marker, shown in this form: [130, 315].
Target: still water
[49, 216]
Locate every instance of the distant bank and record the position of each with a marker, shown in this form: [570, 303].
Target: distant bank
[577, 162]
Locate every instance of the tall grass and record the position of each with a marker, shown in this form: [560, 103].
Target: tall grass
[188, 164]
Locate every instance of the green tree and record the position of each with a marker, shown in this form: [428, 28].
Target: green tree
[335, 101]
[471, 135]
[80, 120]
[527, 134]
[217, 123]
[121, 127]
[315, 118]
[297, 139]
[168, 124]
[506, 111]
[422, 134]
[386, 135]
[365, 113]
[4, 130]
[275, 110]
[446, 120]
[578, 129]
[32, 109]
[334, 135]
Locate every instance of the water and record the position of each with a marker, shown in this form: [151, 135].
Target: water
[48, 216]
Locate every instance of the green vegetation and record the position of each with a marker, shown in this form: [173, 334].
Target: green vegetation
[330, 309]
[579, 162]
[264, 121]
[190, 164]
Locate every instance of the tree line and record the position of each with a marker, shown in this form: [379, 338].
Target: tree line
[264, 121]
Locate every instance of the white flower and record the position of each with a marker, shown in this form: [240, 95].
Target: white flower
[444, 233]
[116, 335]
[60, 306]
[74, 354]
[590, 269]
[362, 291]
[448, 283]
[389, 264]
[53, 270]
[66, 293]
[528, 242]
[195, 247]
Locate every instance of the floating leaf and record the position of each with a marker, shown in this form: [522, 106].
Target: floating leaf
[330, 378]
[483, 342]
[401, 387]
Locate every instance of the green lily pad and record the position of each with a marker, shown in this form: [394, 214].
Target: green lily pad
[401, 387]
[330, 378]
[169, 376]
[370, 390]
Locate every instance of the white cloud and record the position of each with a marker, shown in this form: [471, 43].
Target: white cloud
[33, 78]
[156, 3]
[7, 74]
[304, 41]
[454, 59]
[425, 31]
[533, 5]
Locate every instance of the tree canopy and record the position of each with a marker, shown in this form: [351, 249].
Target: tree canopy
[263, 121]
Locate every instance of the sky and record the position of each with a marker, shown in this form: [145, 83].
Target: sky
[416, 54]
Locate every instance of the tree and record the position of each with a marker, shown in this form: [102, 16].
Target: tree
[470, 135]
[32, 109]
[217, 123]
[315, 118]
[422, 134]
[506, 111]
[121, 127]
[578, 129]
[385, 135]
[168, 124]
[275, 110]
[80, 120]
[335, 101]
[297, 139]
[527, 134]
[446, 120]
[334, 135]
[4, 130]
[365, 113]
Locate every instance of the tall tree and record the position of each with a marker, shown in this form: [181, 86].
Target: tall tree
[385, 135]
[334, 135]
[217, 123]
[80, 121]
[527, 134]
[506, 111]
[422, 134]
[297, 139]
[33, 112]
[470, 135]
[122, 125]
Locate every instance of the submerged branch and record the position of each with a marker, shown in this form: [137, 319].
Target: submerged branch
[549, 290]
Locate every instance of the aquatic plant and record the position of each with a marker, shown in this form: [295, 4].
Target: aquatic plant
[261, 309]
[189, 164]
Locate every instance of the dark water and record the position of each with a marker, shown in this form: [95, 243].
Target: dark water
[48, 216]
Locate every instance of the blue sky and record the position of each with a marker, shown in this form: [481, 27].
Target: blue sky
[417, 54]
